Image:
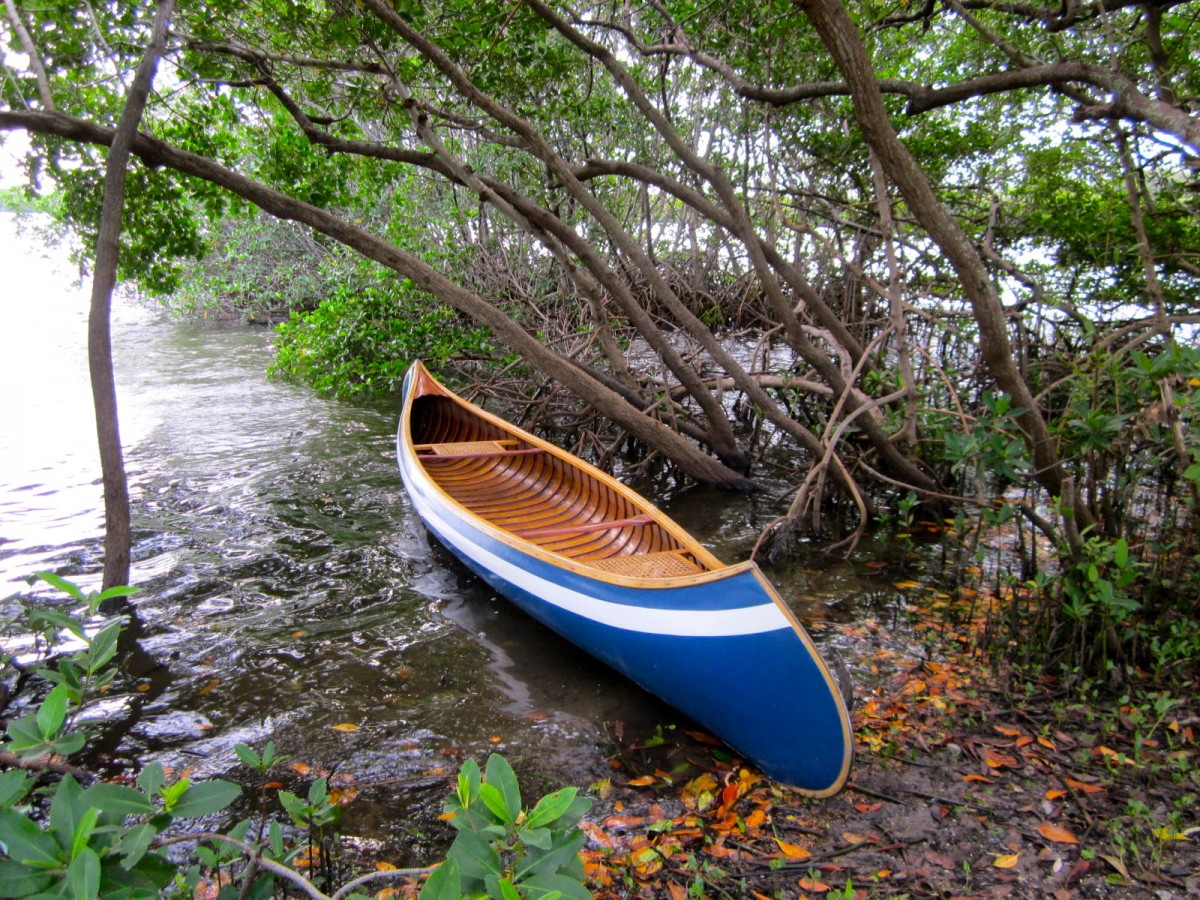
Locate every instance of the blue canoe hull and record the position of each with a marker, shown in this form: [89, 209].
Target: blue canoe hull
[724, 649]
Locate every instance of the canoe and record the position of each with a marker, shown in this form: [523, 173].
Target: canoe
[599, 564]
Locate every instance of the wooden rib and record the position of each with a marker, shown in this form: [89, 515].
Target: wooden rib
[643, 519]
[481, 454]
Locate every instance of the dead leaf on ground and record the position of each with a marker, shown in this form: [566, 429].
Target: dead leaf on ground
[792, 851]
[1056, 833]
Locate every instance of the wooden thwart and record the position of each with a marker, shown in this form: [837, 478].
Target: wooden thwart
[472, 450]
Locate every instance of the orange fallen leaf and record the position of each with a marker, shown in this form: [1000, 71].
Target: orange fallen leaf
[644, 781]
[495, 739]
[851, 837]
[792, 851]
[999, 761]
[208, 688]
[300, 768]
[1083, 786]
[705, 738]
[811, 884]
[1008, 732]
[1056, 833]
[676, 891]
[345, 726]
[1047, 743]
[1007, 861]
[1055, 794]
[973, 777]
[907, 585]
[385, 867]
[867, 807]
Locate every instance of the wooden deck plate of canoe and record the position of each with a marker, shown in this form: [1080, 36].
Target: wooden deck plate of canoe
[599, 564]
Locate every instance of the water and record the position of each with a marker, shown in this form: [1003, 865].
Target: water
[286, 585]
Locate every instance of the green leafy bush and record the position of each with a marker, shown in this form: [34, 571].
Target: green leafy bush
[505, 852]
[361, 338]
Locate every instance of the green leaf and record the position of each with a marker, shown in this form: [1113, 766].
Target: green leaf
[133, 844]
[500, 775]
[151, 778]
[67, 587]
[541, 838]
[469, 779]
[557, 859]
[104, 646]
[543, 887]
[14, 785]
[507, 891]
[83, 875]
[476, 858]
[444, 883]
[117, 799]
[25, 842]
[83, 832]
[1121, 552]
[275, 836]
[53, 712]
[207, 797]
[247, 756]
[550, 807]
[66, 810]
[494, 800]
[17, 880]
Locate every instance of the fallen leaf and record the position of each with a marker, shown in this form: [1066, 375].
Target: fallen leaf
[495, 739]
[851, 837]
[676, 891]
[385, 867]
[1056, 833]
[345, 726]
[1007, 861]
[974, 777]
[907, 585]
[705, 738]
[1055, 794]
[867, 807]
[792, 851]
[1116, 863]
[622, 821]
[300, 768]
[999, 760]
[1083, 786]
[208, 688]
[1170, 834]
[811, 884]
[644, 781]
[1008, 732]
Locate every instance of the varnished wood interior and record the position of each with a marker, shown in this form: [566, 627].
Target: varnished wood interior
[540, 497]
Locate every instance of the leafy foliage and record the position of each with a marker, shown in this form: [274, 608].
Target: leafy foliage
[504, 851]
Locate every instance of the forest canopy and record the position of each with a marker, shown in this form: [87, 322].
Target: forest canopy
[944, 251]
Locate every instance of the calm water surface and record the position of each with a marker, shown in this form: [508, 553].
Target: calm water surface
[286, 584]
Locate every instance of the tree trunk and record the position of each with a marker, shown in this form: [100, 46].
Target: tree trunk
[842, 40]
[118, 537]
